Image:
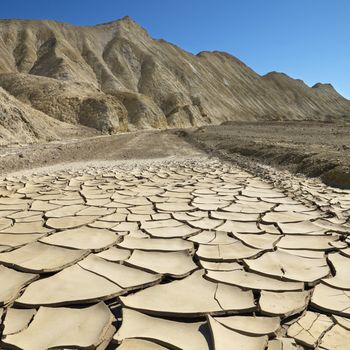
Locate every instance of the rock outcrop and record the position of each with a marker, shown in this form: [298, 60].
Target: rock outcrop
[20, 123]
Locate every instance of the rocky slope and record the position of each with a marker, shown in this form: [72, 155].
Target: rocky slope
[20, 123]
[115, 77]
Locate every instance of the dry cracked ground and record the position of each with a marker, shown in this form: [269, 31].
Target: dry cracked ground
[190, 253]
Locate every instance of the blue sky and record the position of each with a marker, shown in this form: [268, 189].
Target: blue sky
[307, 39]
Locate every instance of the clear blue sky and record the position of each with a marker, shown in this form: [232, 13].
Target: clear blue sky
[307, 39]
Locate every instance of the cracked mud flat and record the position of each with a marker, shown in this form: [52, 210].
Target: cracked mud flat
[190, 253]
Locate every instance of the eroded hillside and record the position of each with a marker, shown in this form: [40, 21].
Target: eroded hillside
[114, 77]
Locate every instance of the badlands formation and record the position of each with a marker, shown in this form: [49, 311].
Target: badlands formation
[114, 77]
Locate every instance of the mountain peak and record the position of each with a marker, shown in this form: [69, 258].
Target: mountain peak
[125, 23]
[323, 86]
[126, 20]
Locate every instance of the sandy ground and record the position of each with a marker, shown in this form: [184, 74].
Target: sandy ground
[315, 149]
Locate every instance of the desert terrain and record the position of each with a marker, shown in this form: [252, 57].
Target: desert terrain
[311, 148]
[152, 199]
[148, 241]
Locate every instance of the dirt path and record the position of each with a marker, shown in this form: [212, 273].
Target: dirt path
[138, 145]
[313, 149]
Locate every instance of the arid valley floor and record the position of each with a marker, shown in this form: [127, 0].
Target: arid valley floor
[143, 241]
